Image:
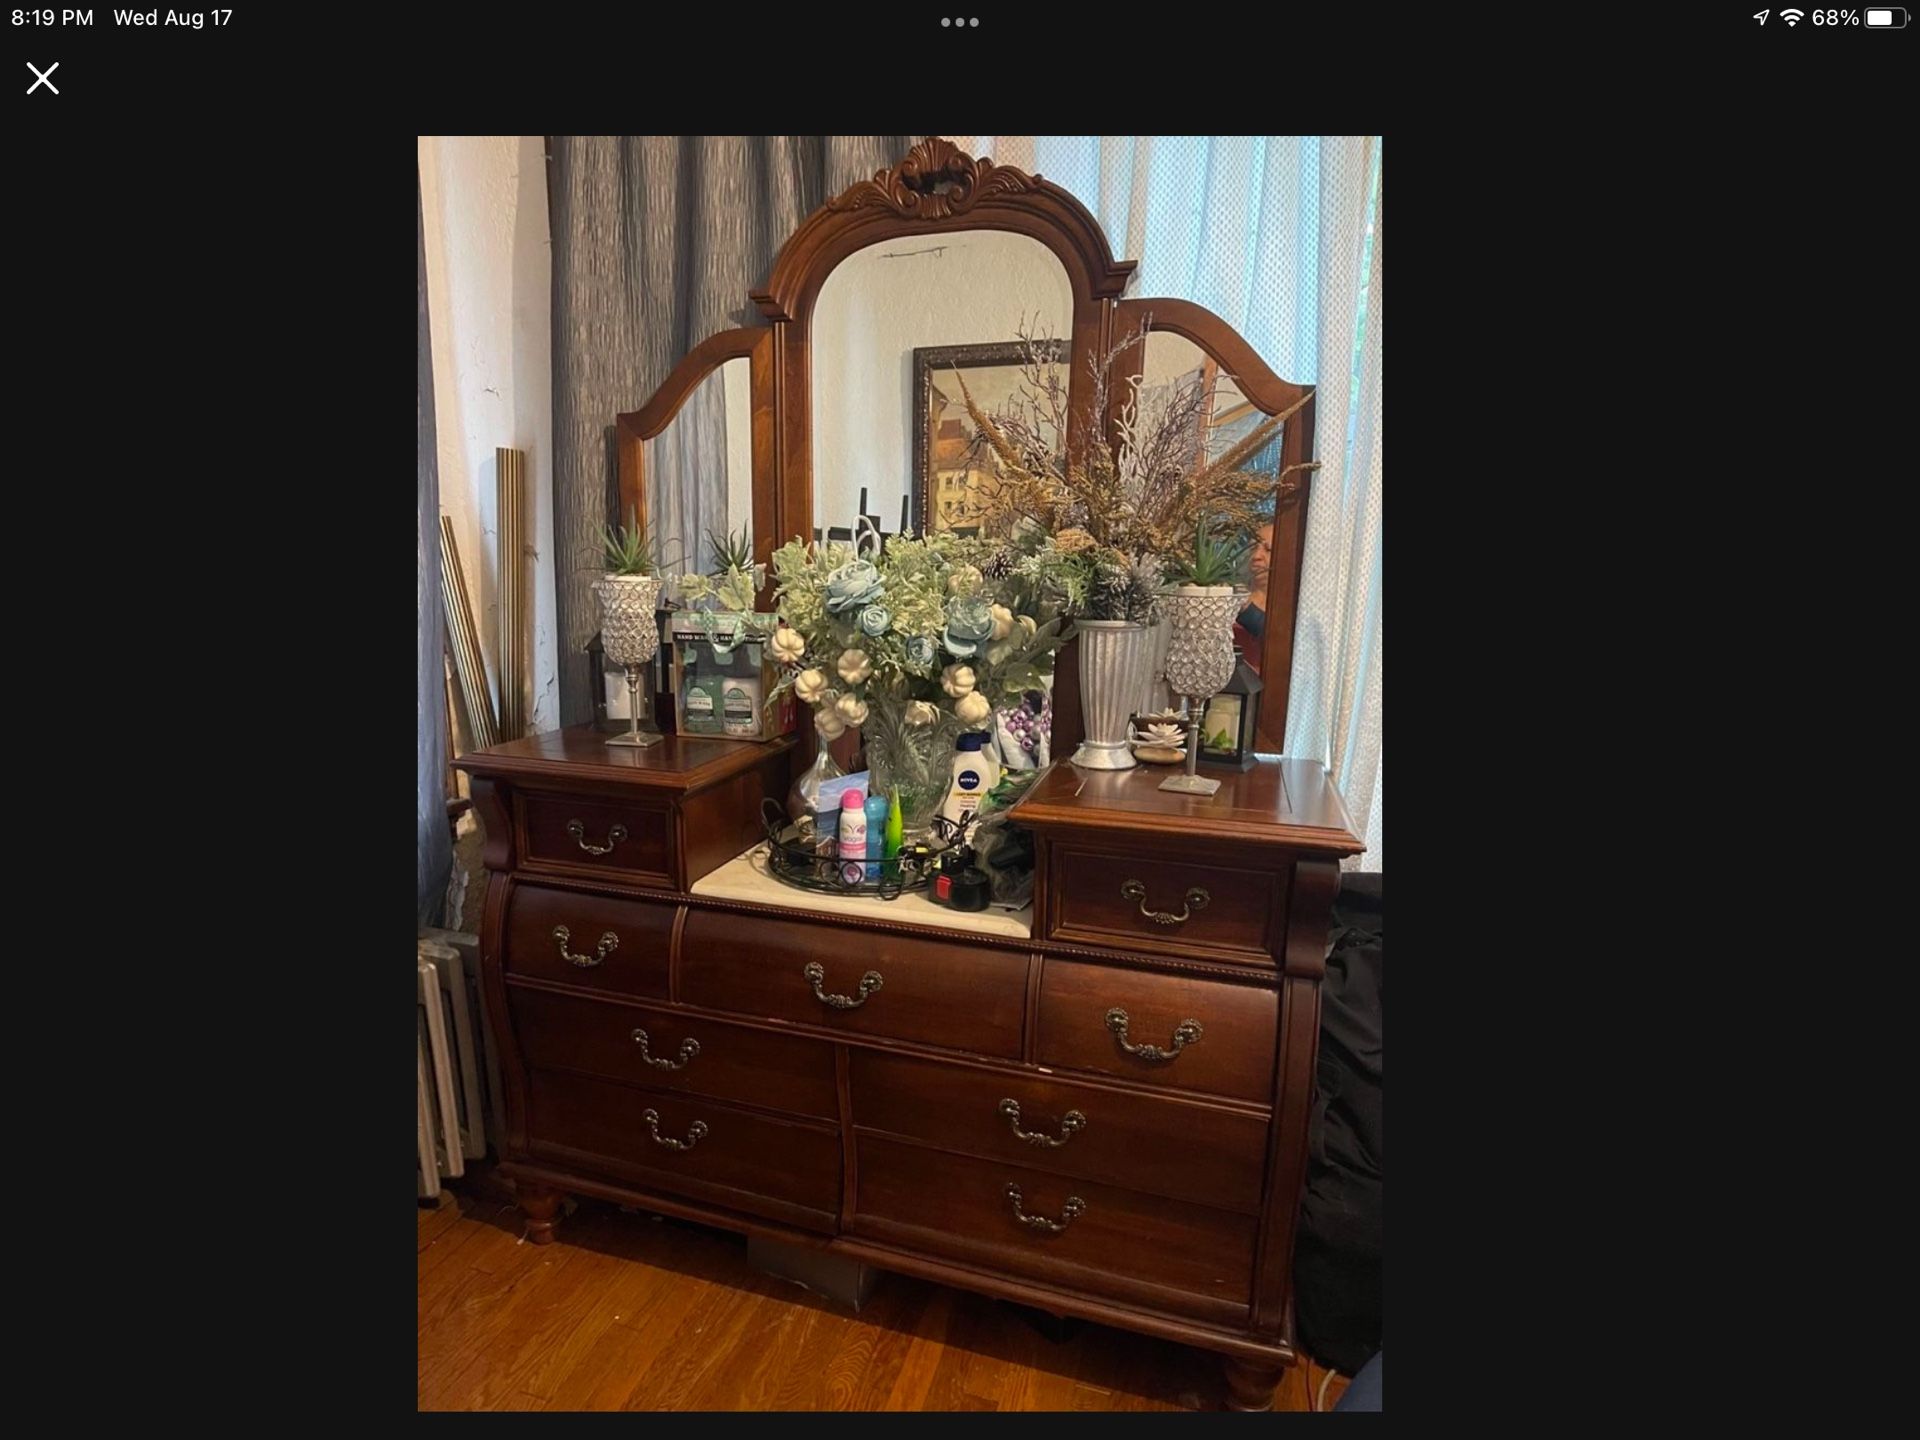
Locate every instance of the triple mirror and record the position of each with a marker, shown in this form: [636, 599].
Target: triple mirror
[845, 407]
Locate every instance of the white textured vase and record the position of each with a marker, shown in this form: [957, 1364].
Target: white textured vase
[1116, 660]
[629, 627]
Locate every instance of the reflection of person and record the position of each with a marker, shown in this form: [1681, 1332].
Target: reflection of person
[1250, 627]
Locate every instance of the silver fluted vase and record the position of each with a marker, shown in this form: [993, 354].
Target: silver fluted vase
[1116, 661]
[630, 636]
[1199, 662]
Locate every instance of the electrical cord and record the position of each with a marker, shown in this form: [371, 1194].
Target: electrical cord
[1320, 1402]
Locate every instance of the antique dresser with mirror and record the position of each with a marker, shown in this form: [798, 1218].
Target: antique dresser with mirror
[1097, 1106]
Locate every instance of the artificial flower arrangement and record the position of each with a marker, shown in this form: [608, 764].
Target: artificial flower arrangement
[911, 642]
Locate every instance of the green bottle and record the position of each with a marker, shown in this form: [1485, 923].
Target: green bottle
[895, 829]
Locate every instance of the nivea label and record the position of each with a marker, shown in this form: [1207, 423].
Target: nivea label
[968, 779]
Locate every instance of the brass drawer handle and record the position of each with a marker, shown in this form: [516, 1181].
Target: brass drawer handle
[1186, 1033]
[609, 942]
[1196, 900]
[689, 1048]
[579, 832]
[816, 975]
[1069, 1212]
[1071, 1124]
[694, 1132]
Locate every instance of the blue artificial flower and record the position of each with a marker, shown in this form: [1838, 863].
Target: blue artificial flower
[853, 586]
[875, 619]
[969, 625]
[920, 652]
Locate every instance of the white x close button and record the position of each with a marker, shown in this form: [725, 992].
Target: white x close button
[40, 77]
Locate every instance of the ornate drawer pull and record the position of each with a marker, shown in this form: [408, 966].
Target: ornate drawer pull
[1186, 1033]
[578, 830]
[689, 1048]
[1069, 1212]
[1196, 900]
[1071, 1124]
[609, 942]
[694, 1132]
[816, 975]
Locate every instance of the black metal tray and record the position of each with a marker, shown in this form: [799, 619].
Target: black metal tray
[812, 862]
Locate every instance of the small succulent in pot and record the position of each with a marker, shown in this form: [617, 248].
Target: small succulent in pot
[1215, 563]
[630, 549]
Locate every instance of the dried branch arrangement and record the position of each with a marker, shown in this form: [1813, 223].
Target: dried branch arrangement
[1139, 496]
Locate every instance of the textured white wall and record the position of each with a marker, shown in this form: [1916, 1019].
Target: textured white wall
[878, 306]
[490, 303]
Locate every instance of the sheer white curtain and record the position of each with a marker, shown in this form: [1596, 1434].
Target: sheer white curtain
[1280, 235]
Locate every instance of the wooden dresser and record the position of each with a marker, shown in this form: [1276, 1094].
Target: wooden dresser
[1102, 1115]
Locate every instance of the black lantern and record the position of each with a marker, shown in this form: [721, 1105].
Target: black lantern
[610, 701]
[1230, 733]
[597, 664]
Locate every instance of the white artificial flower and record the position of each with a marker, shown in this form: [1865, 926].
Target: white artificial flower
[851, 709]
[957, 680]
[790, 645]
[810, 685]
[919, 712]
[973, 708]
[855, 666]
[1002, 622]
[830, 725]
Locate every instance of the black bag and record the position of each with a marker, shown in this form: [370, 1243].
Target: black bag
[1336, 1259]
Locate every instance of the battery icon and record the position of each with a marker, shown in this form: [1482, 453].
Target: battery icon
[1894, 19]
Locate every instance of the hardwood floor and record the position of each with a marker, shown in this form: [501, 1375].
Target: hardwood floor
[630, 1312]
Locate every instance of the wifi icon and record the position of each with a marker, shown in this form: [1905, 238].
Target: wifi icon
[1793, 17]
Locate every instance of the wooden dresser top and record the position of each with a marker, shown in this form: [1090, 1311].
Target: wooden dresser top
[1279, 802]
[679, 762]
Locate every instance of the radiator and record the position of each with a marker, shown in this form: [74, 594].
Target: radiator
[458, 1095]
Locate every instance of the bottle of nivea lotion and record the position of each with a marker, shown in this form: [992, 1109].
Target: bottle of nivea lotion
[975, 772]
[853, 833]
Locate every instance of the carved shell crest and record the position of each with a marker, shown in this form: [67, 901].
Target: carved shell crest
[936, 180]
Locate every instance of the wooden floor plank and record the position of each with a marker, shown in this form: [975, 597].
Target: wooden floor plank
[631, 1312]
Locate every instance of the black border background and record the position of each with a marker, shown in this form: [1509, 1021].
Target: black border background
[211, 334]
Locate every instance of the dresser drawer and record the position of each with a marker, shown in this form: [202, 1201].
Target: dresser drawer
[1204, 907]
[629, 839]
[959, 996]
[742, 1161]
[1206, 1035]
[1170, 1146]
[670, 1051]
[1129, 1246]
[635, 960]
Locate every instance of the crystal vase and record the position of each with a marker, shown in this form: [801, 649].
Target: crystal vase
[913, 763]
[630, 636]
[1199, 661]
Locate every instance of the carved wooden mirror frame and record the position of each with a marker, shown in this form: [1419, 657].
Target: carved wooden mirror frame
[938, 187]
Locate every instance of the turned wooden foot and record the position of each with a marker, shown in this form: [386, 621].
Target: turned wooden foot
[540, 1205]
[1250, 1386]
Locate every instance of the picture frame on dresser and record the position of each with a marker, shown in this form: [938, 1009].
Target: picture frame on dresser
[950, 457]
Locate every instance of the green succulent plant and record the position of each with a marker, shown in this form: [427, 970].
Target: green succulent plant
[1214, 561]
[630, 549]
[732, 550]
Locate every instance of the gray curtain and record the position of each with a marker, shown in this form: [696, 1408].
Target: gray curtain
[434, 845]
[687, 478]
[656, 241]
